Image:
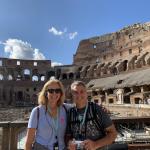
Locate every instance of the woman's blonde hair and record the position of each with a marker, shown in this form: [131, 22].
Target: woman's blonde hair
[42, 99]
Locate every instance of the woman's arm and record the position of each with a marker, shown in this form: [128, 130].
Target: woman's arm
[30, 138]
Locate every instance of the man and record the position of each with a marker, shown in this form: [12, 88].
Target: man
[89, 126]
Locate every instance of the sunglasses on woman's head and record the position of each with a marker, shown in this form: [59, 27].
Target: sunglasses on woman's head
[54, 90]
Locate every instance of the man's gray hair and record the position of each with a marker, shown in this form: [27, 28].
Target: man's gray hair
[78, 83]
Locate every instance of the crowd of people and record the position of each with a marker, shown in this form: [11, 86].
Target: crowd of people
[56, 125]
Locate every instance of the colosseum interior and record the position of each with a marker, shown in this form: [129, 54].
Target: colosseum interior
[115, 67]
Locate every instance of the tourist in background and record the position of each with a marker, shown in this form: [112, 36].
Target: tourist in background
[47, 123]
[88, 125]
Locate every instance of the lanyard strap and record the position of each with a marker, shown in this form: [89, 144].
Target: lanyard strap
[83, 120]
[55, 121]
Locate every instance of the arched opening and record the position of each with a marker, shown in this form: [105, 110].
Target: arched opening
[35, 78]
[42, 78]
[1, 77]
[111, 101]
[64, 76]
[125, 63]
[77, 75]
[137, 100]
[26, 74]
[86, 69]
[1, 63]
[50, 74]
[18, 77]
[71, 75]
[10, 77]
[19, 100]
[58, 73]
[114, 71]
[20, 96]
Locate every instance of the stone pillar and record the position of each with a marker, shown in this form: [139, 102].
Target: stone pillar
[142, 89]
[106, 98]
[5, 138]
[13, 138]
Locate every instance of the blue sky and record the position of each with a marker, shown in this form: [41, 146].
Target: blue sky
[52, 29]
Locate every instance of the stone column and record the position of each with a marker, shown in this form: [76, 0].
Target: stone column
[5, 138]
[13, 138]
[106, 98]
[142, 89]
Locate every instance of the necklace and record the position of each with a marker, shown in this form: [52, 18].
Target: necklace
[54, 121]
[82, 118]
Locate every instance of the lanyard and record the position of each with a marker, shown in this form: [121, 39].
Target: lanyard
[55, 122]
[83, 120]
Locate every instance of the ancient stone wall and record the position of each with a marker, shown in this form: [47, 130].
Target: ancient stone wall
[21, 80]
[129, 41]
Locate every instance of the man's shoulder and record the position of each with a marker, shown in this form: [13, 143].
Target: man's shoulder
[95, 105]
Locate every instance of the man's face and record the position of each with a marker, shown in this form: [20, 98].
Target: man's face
[79, 94]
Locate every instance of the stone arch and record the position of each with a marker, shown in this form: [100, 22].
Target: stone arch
[147, 59]
[140, 61]
[112, 68]
[42, 77]
[35, 78]
[125, 65]
[131, 62]
[58, 73]
[27, 74]
[90, 71]
[77, 74]
[71, 75]
[19, 98]
[83, 72]
[114, 71]
[98, 69]
[18, 74]
[64, 76]
[50, 74]
[9, 77]
[1, 63]
[104, 69]
[1, 77]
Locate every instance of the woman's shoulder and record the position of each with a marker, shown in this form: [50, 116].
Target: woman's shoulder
[39, 107]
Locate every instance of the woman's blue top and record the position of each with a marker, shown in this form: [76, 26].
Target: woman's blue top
[46, 134]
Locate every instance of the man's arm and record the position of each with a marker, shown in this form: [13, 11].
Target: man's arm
[111, 134]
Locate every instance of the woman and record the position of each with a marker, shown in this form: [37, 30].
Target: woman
[47, 123]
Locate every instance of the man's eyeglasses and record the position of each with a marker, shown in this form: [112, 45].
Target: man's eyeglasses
[54, 90]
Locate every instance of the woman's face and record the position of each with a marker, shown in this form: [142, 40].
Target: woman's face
[53, 94]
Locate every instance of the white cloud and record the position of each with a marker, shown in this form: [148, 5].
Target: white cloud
[60, 33]
[56, 64]
[19, 49]
[72, 35]
[54, 31]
